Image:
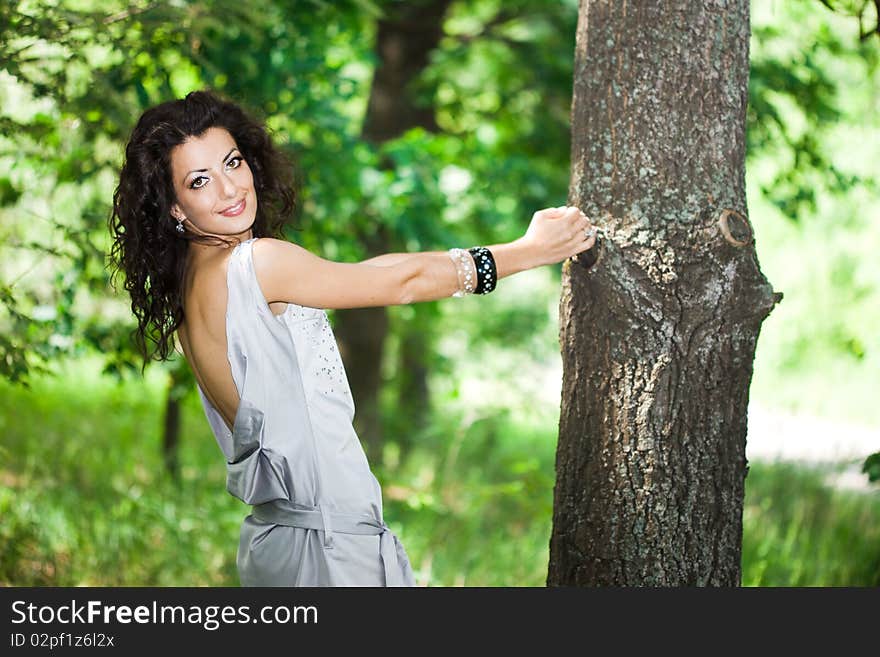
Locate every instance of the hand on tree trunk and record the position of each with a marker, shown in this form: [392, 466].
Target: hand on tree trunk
[559, 233]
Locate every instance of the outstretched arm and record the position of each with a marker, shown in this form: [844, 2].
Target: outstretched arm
[389, 259]
[288, 272]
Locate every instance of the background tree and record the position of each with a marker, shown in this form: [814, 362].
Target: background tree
[405, 37]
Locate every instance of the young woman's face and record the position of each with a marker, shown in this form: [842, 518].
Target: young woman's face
[213, 184]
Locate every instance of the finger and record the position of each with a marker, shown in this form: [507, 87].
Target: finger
[582, 219]
[589, 232]
[572, 217]
[585, 246]
[581, 229]
[581, 236]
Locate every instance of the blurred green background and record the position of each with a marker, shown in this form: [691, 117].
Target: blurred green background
[85, 498]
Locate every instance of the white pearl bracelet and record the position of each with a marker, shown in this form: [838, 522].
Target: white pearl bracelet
[466, 269]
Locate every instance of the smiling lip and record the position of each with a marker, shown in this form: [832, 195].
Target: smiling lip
[235, 210]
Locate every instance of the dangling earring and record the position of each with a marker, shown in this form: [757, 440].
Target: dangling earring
[180, 226]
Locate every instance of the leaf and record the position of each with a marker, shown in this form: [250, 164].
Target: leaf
[871, 467]
[8, 194]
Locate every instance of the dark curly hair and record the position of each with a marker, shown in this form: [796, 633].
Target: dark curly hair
[146, 245]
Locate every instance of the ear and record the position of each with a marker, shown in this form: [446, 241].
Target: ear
[177, 213]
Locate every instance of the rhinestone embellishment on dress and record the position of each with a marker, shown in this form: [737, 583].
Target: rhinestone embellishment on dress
[319, 349]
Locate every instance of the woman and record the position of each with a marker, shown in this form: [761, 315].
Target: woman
[197, 219]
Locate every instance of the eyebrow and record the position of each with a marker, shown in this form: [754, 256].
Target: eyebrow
[225, 157]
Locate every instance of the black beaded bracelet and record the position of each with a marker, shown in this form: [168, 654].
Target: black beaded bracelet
[487, 276]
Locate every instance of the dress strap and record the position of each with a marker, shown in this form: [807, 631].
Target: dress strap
[242, 262]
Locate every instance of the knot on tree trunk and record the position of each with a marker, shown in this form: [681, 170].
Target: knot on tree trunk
[735, 227]
[587, 259]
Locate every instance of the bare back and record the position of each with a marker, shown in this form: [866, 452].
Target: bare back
[202, 334]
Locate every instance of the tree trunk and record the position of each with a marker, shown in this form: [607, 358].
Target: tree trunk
[171, 429]
[405, 37]
[658, 336]
[413, 393]
[361, 335]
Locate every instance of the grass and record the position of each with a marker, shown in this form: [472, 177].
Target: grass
[797, 531]
[83, 500]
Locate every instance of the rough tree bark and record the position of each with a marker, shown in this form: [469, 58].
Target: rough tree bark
[404, 39]
[658, 335]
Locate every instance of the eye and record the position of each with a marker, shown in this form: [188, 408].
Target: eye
[237, 160]
[195, 183]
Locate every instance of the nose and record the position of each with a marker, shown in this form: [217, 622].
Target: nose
[227, 185]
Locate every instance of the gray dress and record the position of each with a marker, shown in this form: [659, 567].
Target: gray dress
[293, 453]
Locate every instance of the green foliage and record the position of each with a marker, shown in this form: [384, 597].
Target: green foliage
[812, 117]
[796, 98]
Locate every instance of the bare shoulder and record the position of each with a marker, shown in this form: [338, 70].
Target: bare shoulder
[275, 262]
[274, 258]
[269, 248]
